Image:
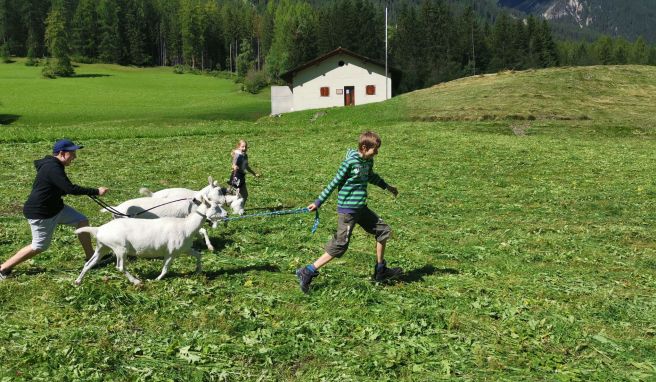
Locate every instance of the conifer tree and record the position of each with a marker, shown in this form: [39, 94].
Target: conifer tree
[548, 52]
[639, 52]
[652, 56]
[501, 44]
[406, 48]
[57, 39]
[267, 28]
[135, 25]
[109, 48]
[169, 43]
[214, 48]
[620, 51]
[604, 50]
[4, 53]
[294, 40]
[4, 45]
[85, 30]
[245, 59]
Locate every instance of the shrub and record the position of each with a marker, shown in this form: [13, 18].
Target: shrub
[255, 81]
[48, 71]
[4, 53]
[32, 61]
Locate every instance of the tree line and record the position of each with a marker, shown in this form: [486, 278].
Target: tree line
[429, 41]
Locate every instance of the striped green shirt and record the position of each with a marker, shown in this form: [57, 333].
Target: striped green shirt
[353, 176]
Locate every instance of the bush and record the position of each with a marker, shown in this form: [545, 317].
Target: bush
[48, 71]
[255, 81]
[31, 61]
[4, 53]
[182, 69]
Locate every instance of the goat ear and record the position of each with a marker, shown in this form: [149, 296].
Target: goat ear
[210, 180]
[216, 183]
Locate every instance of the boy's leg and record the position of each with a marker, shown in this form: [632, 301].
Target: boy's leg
[380, 251]
[374, 225]
[23, 254]
[72, 217]
[336, 247]
[85, 240]
[42, 230]
[323, 260]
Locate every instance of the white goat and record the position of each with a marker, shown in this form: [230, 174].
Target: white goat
[154, 208]
[168, 237]
[212, 191]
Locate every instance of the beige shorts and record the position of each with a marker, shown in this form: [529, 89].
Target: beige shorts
[42, 229]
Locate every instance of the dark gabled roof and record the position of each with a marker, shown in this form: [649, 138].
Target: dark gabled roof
[289, 75]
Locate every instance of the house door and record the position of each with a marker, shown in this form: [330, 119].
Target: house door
[349, 95]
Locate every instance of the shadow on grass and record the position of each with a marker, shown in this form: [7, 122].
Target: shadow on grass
[91, 75]
[238, 270]
[417, 275]
[269, 209]
[218, 244]
[8, 119]
[31, 271]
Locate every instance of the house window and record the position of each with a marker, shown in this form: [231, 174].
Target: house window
[325, 91]
[371, 89]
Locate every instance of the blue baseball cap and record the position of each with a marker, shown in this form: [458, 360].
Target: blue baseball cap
[65, 145]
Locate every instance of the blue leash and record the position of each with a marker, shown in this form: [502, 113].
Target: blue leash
[283, 212]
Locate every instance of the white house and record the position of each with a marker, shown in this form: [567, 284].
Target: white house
[338, 78]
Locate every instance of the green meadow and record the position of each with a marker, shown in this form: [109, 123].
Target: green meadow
[525, 223]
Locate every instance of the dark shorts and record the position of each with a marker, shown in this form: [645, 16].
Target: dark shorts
[366, 219]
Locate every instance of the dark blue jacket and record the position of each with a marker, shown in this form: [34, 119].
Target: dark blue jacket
[50, 185]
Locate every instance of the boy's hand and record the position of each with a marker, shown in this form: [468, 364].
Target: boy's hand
[393, 190]
[312, 207]
[102, 191]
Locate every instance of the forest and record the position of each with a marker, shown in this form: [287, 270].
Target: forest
[428, 42]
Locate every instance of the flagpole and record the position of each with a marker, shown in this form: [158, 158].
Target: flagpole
[386, 75]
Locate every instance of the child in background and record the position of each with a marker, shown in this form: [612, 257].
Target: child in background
[355, 172]
[239, 168]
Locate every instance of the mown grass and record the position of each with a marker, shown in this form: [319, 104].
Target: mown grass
[529, 253]
[112, 96]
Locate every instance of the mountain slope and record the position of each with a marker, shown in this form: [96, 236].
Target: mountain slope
[628, 19]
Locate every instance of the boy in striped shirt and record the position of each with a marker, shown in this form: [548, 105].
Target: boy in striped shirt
[355, 172]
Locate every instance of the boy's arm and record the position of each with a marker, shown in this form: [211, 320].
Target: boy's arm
[59, 178]
[380, 182]
[342, 172]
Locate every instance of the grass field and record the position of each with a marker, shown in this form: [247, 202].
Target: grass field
[527, 239]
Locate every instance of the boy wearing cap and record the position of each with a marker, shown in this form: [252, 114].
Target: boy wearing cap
[45, 208]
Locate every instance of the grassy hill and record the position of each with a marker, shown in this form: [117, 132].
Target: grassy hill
[528, 244]
[605, 94]
[109, 96]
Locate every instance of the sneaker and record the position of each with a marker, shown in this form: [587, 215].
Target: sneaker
[4, 275]
[385, 274]
[305, 277]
